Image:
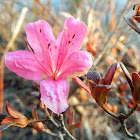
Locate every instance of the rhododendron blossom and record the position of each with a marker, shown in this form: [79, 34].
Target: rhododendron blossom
[52, 60]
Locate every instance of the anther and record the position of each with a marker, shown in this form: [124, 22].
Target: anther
[49, 45]
[73, 36]
[66, 28]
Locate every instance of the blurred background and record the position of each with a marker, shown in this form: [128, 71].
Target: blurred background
[109, 39]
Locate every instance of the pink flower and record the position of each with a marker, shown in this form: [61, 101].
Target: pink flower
[52, 61]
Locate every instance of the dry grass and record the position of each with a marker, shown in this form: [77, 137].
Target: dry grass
[109, 39]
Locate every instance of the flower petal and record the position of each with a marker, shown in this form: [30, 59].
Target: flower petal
[54, 94]
[24, 64]
[73, 34]
[70, 39]
[75, 64]
[41, 39]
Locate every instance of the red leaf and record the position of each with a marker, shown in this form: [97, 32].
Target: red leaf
[132, 24]
[127, 75]
[81, 84]
[110, 73]
[100, 94]
[136, 83]
[137, 14]
[130, 105]
[37, 125]
[76, 125]
[7, 120]
[71, 118]
[15, 116]
[34, 113]
[11, 111]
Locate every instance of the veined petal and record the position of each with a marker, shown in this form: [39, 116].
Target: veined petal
[54, 94]
[42, 41]
[76, 63]
[70, 39]
[24, 64]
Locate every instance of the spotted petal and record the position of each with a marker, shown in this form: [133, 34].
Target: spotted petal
[70, 39]
[54, 94]
[41, 39]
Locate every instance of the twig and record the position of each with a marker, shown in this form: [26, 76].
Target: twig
[61, 136]
[63, 128]
[85, 104]
[122, 118]
[8, 47]
[50, 133]
[60, 127]
[132, 111]
[35, 121]
[123, 123]
[109, 112]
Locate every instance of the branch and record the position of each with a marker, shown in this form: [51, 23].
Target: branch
[109, 112]
[60, 127]
[50, 133]
[35, 121]
[123, 123]
[122, 118]
[63, 128]
[132, 111]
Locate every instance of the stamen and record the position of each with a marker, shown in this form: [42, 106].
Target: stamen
[37, 59]
[62, 59]
[66, 28]
[58, 61]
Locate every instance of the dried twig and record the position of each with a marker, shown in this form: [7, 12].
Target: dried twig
[8, 47]
[122, 117]
[107, 45]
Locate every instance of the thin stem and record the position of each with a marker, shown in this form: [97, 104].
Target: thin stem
[61, 136]
[132, 111]
[34, 121]
[85, 104]
[109, 112]
[50, 133]
[123, 123]
[60, 127]
[64, 128]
